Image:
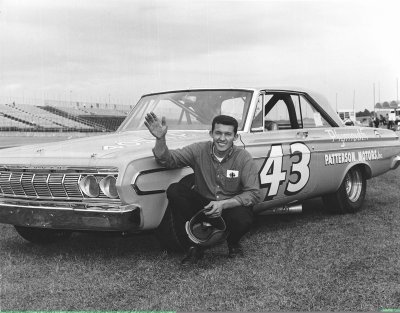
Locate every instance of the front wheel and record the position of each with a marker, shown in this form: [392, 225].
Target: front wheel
[350, 195]
[171, 233]
[42, 235]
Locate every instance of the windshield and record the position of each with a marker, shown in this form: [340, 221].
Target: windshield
[190, 110]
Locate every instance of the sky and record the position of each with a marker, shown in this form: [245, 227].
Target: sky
[116, 50]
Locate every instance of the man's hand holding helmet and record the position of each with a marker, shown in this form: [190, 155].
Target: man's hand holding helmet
[216, 207]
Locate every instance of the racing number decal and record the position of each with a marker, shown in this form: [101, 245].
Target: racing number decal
[301, 168]
[272, 174]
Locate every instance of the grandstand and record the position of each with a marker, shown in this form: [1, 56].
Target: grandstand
[61, 117]
[12, 124]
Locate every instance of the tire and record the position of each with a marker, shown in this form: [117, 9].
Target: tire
[171, 232]
[172, 237]
[350, 196]
[42, 235]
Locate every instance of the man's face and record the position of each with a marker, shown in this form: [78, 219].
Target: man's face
[223, 137]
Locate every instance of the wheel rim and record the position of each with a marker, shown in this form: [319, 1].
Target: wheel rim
[353, 181]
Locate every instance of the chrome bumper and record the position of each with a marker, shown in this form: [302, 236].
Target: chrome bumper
[74, 216]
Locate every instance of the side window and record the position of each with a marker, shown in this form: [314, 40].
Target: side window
[278, 115]
[283, 110]
[307, 115]
[257, 124]
[275, 108]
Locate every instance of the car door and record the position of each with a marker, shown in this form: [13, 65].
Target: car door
[284, 154]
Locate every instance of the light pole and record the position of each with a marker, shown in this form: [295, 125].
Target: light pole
[379, 92]
[373, 105]
[336, 104]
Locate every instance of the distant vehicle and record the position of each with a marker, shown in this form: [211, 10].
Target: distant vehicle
[113, 183]
[349, 122]
[348, 117]
[390, 117]
[365, 121]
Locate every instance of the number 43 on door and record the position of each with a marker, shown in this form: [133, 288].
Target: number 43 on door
[272, 174]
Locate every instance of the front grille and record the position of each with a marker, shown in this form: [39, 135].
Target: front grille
[41, 185]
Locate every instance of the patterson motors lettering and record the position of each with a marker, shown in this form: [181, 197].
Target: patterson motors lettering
[350, 157]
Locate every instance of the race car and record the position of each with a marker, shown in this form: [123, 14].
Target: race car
[112, 182]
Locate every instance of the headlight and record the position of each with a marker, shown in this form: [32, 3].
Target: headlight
[89, 186]
[108, 186]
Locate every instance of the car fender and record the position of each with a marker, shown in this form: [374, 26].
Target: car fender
[366, 169]
[144, 184]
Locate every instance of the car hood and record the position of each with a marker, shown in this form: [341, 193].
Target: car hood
[91, 150]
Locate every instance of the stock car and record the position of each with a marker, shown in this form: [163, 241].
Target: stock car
[112, 182]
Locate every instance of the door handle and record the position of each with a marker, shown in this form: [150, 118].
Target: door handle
[302, 134]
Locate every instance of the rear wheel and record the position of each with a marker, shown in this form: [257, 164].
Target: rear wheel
[350, 195]
[42, 235]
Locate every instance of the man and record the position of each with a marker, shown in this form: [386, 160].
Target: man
[226, 179]
[392, 118]
[376, 121]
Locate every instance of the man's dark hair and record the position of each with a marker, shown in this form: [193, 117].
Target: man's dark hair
[225, 120]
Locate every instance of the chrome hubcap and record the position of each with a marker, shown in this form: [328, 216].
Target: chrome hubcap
[353, 183]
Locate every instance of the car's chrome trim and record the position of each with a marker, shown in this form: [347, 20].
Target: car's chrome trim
[148, 192]
[125, 218]
[78, 169]
[95, 206]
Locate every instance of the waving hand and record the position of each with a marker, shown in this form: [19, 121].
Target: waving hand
[156, 127]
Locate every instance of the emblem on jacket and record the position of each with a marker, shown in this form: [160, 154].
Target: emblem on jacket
[232, 174]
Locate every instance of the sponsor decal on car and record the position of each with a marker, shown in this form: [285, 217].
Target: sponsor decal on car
[121, 145]
[369, 155]
[142, 141]
[357, 135]
[350, 157]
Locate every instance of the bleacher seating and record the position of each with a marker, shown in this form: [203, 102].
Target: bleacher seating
[71, 117]
[73, 111]
[93, 111]
[109, 122]
[104, 112]
[32, 118]
[77, 118]
[9, 124]
[56, 119]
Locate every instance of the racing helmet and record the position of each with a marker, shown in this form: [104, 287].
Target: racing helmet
[206, 231]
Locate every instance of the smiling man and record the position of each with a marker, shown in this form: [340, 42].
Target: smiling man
[225, 180]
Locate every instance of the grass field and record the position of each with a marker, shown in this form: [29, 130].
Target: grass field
[306, 262]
